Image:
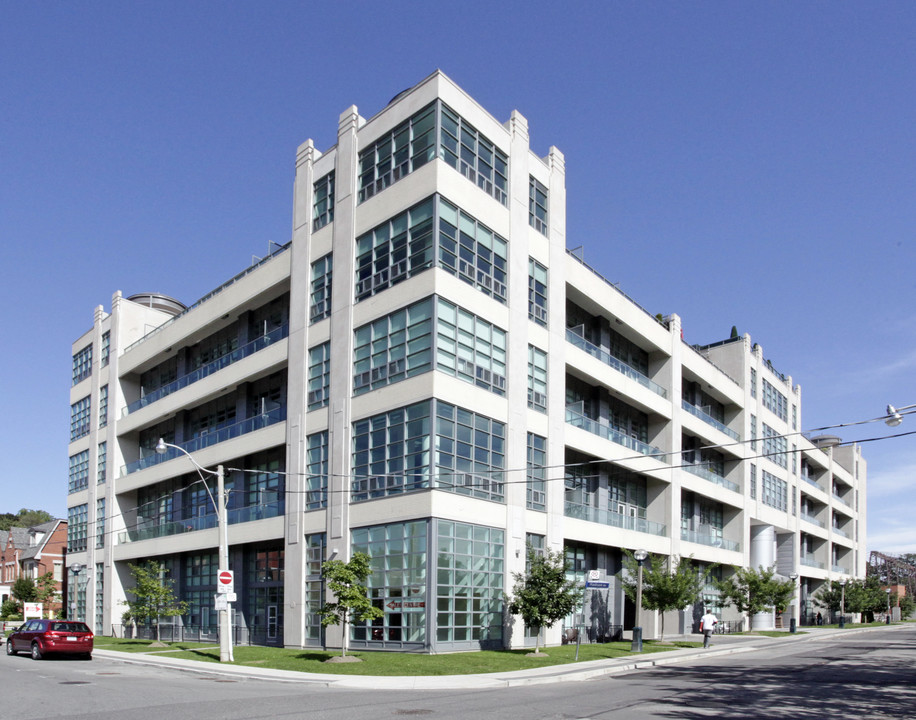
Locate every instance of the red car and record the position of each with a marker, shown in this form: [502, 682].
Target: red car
[40, 637]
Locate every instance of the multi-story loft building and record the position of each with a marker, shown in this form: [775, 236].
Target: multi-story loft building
[426, 374]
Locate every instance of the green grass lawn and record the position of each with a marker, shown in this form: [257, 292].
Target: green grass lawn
[391, 663]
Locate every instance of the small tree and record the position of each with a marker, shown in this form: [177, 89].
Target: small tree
[45, 588]
[829, 596]
[11, 609]
[667, 584]
[23, 589]
[345, 580]
[153, 595]
[753, 591]
[543, 594]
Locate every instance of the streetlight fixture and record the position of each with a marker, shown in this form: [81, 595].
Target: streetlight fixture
[225, 631]
[842, 623]
[640, 556]
[887, 619]
[894, 416]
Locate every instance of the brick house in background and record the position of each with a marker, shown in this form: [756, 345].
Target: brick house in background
[32, 552]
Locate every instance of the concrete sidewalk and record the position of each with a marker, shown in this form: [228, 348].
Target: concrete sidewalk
[722, 645]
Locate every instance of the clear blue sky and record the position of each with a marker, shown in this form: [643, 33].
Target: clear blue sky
[748, 164]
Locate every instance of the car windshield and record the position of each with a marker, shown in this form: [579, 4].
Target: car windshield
[69, 627]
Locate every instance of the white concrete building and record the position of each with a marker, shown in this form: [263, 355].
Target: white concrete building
[425, 373]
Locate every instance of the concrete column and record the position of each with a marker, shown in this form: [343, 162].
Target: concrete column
[763, 555]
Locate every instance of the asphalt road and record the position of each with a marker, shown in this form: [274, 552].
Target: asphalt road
[862, 676]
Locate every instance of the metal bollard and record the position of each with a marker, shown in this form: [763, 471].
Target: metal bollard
[792, 625]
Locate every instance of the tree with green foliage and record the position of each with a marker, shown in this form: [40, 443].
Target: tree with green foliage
[154, 596]
[543, 593]
[829, 596]
[25, 518]
[45, 588]
[23, 589]
[754, 591]
[11, 609]
[668, 583]
[346, 580]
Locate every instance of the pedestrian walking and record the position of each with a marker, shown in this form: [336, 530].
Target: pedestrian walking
[707, 624]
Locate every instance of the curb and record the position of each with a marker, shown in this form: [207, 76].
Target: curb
[517, 678]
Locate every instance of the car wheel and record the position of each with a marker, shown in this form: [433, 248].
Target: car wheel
[9, 648]
[36, 651]
[87, 656]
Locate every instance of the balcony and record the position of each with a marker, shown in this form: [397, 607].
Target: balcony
[704, 472]
[203, 522]
[208, 439]
[840, 569]
[612, 519]
[808, 560]
[609, 360]
[710, 539]
[709, 419]
[208, 369]
[811, 481]
[811, 519]
[596, 428]
[841, 533]
[842, 501]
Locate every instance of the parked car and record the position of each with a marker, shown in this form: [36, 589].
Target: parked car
[40, 637]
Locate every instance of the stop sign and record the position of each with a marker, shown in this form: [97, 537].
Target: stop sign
[224, 581]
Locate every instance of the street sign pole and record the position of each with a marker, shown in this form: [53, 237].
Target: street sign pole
[225, 629]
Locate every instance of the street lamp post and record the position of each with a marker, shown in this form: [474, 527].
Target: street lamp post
[225, 630]
[792, 620]
[842, 622]
[894, 417]
[887, 620]
[640, 556]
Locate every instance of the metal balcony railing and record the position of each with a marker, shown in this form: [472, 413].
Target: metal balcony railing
[704, 472]
[613, 519]
[709, 419]
[148, 530]
[618, 365]
[596, 428]
[711, 540]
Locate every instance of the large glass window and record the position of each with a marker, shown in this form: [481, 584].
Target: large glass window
[537, 292]
[472, 251]
[470, 348]
[774, 492]
[470, 570]
[77, 519]
[82, 364]
[537, 379]
[470, 453]
[103, 406]
[395, 250]
[79, 471]
[320, 291]
[774, 446]
[775, 401]
[79, 418]
[105, 349]
[537, 473]
[398, 153]
[316, 481]
[391, 452]
[314, 558]
[626, 493]
[319, 380]
[397, 585]
[323, 201]
[102, 463]
[100, 522]
[537, 205]
[473, 155]
[393, 347]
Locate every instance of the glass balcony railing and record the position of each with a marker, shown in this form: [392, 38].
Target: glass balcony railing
[841, 533]
[149, 531]
[709, 539]
[709, 419]
[837, 497]
[596, 428]
[613, 519]
[208, 439]
[811, 519]
[840, 569]
[704, 472]
[811, 481]
[208, 369]
[609, 360]
[808, 559]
